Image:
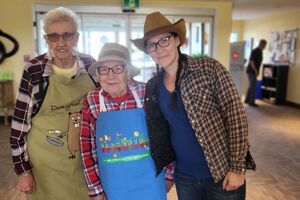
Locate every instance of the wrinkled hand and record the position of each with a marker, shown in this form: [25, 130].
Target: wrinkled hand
[99, 197]
[233, 181]
[169, 185]
[26, 184]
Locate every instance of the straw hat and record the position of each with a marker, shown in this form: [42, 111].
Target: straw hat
[114, 51]
[156, 24]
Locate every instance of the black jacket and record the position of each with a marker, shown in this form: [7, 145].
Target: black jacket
[159, 134]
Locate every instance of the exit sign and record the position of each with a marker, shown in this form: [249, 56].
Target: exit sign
[131, 3]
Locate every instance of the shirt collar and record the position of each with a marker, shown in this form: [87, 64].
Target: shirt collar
[49, 69]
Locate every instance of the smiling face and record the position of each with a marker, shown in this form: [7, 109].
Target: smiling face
[114, 84]
[62, 48]
[166, 56]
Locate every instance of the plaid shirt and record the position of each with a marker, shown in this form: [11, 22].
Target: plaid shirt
[216, 114]
[90, 112]
[33, 87]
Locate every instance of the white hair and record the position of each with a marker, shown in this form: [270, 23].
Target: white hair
[60, 14]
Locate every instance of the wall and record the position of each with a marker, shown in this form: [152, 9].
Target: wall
[261, 28]
[20, 25]
[238, 26]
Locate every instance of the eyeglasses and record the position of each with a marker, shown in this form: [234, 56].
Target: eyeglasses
[66, 36]
[116, 69]
[163, 42]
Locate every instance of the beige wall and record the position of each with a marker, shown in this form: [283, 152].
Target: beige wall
[20, 25]
[238, 26]
[261, 28]
[16, 20]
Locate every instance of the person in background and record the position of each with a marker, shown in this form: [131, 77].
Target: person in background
[46, 122]
[196, 100]
[255, 60]
[114, 138]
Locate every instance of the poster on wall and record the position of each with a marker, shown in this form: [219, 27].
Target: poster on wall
[282, 46]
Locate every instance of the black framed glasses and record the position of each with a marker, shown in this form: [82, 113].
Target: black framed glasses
[116, 69]
[163, 42]
[66, 36]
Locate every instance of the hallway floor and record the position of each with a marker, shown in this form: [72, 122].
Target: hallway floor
[274, 133]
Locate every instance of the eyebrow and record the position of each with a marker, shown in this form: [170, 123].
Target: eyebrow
[149, 42]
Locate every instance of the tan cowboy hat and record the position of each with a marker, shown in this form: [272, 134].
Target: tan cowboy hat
[156, 24]
[114, 51]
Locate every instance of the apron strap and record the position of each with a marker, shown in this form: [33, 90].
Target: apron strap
[136, 98]
[102, 104]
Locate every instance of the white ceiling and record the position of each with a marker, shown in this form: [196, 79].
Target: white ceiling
[251, 9]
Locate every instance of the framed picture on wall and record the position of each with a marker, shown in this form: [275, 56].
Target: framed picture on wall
[282, 46]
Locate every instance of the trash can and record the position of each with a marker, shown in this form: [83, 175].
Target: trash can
[258, 89]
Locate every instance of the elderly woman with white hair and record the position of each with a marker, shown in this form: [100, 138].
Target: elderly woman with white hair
[114, 137]
[45, 126]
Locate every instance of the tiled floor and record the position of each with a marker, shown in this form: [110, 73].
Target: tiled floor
[274, 133]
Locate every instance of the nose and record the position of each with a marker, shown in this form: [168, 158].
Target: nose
[158, 48]
[61, 41]
[110, 73]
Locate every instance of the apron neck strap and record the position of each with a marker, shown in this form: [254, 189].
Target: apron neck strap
[136, 98]
[102, 104]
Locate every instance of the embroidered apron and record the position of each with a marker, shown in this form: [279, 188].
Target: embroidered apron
[53, 141]
[127, 171]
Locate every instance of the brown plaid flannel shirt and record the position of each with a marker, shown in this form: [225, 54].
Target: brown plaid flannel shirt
[217, 115]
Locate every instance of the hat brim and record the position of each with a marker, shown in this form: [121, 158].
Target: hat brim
[133, 70]
[178, 28]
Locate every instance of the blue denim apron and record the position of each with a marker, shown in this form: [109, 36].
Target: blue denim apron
[126, 167]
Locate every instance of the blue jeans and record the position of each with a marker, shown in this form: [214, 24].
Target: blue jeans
[251, 93]
[189, 188]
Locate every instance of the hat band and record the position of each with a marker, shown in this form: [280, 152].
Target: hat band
[114, 53]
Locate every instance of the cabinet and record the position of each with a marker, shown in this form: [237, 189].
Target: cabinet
[274, 83]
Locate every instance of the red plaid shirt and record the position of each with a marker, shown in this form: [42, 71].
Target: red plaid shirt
[90, 112]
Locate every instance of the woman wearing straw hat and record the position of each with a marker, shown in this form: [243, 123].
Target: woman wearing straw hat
[114, 138]
[195, 99]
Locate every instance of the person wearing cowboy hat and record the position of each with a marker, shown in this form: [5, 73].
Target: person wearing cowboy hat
[114, 138]
[194, 115]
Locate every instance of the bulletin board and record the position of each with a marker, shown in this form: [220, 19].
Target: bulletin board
[282, 46]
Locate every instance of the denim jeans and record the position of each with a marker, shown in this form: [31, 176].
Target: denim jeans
[189, 188]
[251, 93]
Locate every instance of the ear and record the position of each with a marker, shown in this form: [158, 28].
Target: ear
[76, 38]
[47, 40]
[177, 41]
[70, 113]
[128, 75]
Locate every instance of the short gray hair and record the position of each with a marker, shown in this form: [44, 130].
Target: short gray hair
[60, 14]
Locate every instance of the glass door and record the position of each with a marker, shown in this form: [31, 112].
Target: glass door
[96, 30]
[139, 58]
